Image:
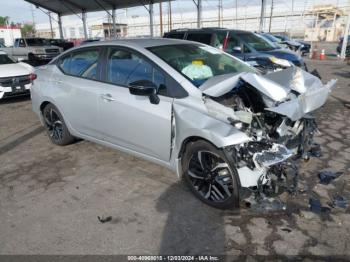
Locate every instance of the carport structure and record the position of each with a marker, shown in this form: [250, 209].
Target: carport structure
[81, 7]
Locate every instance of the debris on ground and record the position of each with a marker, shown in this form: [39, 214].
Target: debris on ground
[315, 150]
[285, 229]
[327, 176]
[339, 201]
[316, 207]
[265, 204]
[104, 219]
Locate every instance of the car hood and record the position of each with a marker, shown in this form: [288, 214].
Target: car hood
[17, 69]
[292, 92]
[283, 54]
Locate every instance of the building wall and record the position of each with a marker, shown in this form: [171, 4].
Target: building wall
[9, 34]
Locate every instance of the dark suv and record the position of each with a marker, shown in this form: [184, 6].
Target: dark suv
[245, 45]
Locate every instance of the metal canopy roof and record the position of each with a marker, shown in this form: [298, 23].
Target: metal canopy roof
[69, 7]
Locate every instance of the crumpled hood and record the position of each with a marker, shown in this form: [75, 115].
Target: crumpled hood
[294, 92]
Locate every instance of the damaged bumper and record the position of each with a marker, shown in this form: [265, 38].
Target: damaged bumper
[256, 160]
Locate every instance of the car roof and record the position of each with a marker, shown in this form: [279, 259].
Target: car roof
[141, 42]
[208, 29]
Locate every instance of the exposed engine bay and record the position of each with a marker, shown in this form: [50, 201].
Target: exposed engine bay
[275, 111]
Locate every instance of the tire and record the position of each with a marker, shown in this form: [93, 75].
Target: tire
[32, 60]
[215, 186]
[56, 127]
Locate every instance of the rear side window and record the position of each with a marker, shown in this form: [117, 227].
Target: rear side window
[81, 63]
[204, 38]
[175, 35]
[125, 67]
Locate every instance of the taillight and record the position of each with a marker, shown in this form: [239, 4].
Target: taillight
[32, 77]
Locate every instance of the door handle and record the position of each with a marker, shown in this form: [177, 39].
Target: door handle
[107, 97]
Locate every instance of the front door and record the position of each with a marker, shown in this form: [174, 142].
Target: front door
[130, 121]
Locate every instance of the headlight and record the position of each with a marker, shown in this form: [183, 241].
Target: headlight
[279, 61]
[39, 50]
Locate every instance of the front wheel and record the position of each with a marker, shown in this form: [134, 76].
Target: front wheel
[210, 175]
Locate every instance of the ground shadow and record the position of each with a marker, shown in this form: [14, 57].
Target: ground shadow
[191, 227]
[15, 99]
[11, 145]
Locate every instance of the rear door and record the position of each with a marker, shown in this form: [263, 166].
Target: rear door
[128, 120]
[76, 78]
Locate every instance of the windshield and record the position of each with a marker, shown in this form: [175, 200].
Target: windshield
[5, 59]
[271, 38]
[255, 41]
[198, 62]
[36, 41]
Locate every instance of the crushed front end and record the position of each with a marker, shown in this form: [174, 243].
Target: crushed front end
[275, 111]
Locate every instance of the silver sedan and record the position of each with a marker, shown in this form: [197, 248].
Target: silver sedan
[219, 124]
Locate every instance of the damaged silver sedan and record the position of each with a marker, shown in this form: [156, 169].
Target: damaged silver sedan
[218, 123]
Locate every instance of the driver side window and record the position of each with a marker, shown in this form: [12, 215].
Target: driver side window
[125, 67]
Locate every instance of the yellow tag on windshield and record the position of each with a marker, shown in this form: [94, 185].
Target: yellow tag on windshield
[197, 62]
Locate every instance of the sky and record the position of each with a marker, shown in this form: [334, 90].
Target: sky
[21, 11]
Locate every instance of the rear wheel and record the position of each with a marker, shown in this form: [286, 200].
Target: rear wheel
[210, 175]
[55, 126]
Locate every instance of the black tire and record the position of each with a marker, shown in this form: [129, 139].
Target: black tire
[32, 60]
[203, 183]
[56, 127]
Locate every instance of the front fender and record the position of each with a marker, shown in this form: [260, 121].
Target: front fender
[193, 123]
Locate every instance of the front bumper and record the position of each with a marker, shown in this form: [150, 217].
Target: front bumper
[15, 91]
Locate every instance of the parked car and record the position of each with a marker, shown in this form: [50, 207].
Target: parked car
[90, 40]
[340, 44]
[65, 45]
[34, 50]
[16, 78]
[190, 107]
[244, 45]
[295, 45]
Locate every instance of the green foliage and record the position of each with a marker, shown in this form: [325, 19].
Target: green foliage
[28, 30]
[4, 20]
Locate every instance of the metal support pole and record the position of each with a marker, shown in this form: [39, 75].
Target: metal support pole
[49, 14]
[290, 21]
[170, 17]
[151, 18]
[83, 17]
[161, 19]
[262, 15]
[271, 12]
[345, 39]
[114, 25]
[60, 26]
[199, 13]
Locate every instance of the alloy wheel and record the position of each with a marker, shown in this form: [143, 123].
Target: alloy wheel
[210, 176]
[53, 124]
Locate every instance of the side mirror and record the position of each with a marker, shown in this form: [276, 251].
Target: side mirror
[144, 88]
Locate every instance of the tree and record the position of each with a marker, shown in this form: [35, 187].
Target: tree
[28, 30]
[4, 20]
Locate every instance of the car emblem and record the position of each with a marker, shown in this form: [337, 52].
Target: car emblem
[15, 81]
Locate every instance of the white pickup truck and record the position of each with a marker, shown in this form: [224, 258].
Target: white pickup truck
[33, 50]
